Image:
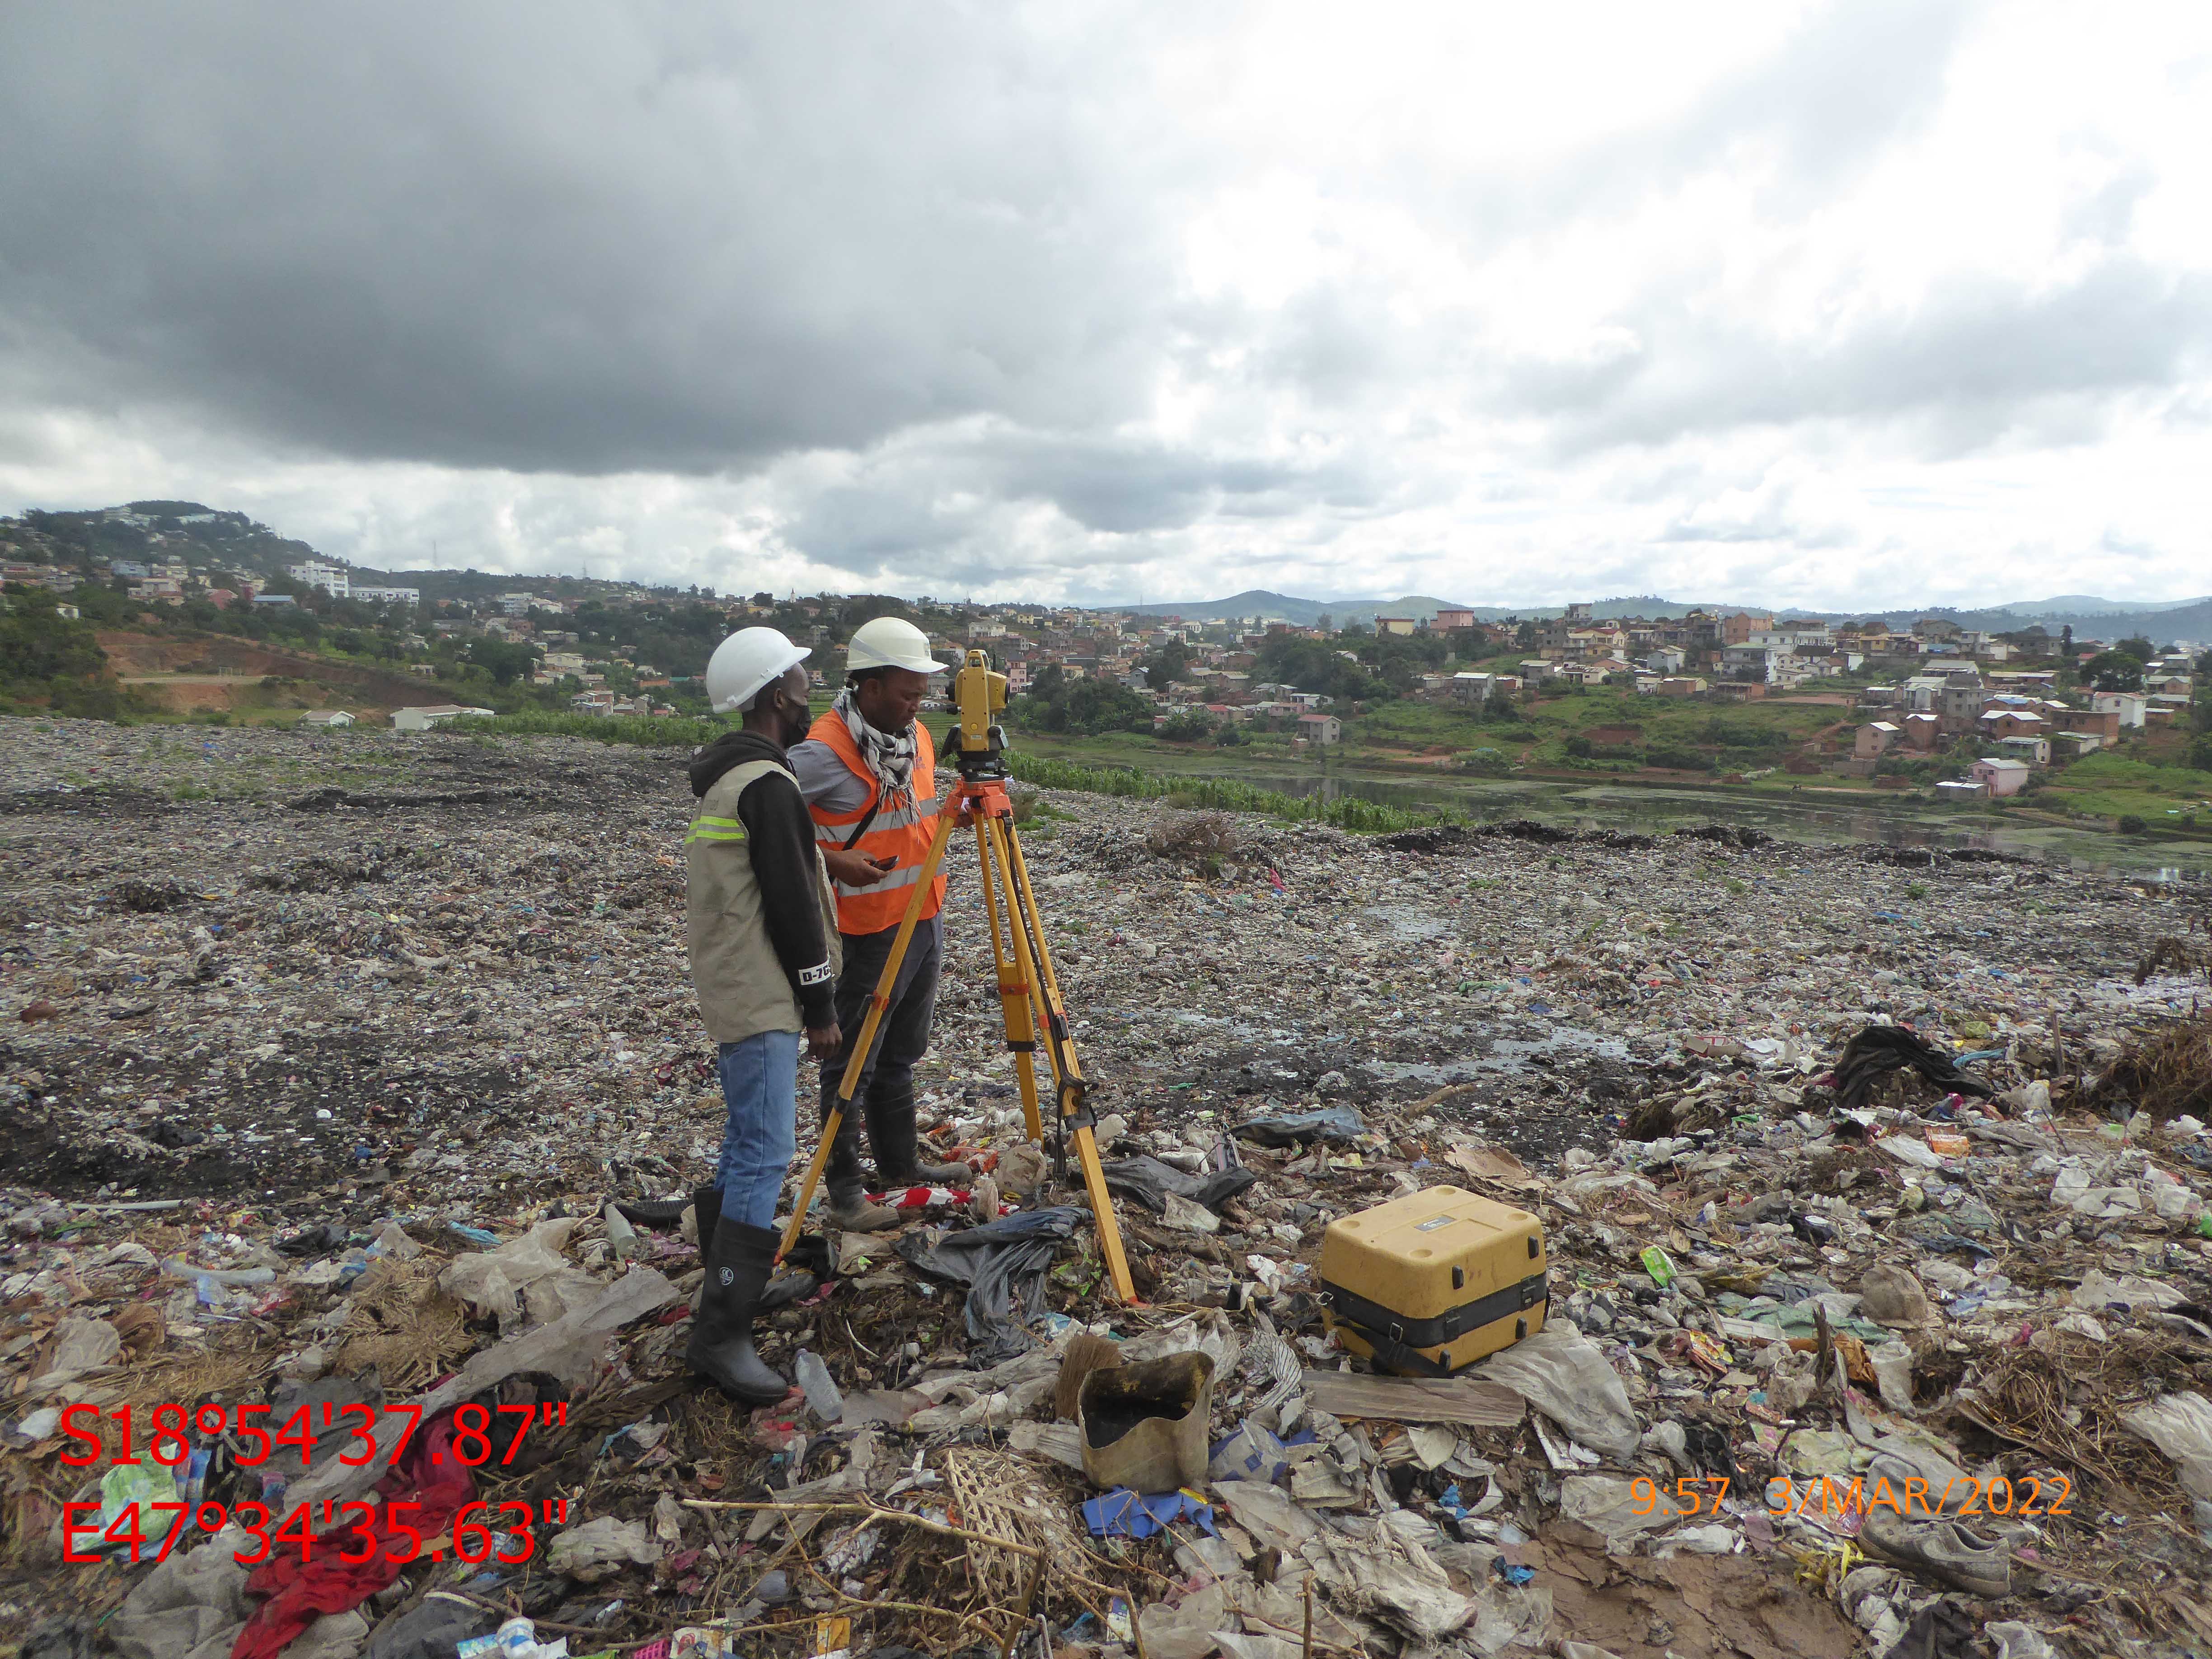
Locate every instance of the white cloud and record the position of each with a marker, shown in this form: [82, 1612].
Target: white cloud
[1843, 305]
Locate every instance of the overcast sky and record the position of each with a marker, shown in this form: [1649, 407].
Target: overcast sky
[1840, 305]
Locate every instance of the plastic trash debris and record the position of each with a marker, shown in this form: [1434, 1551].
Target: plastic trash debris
[1882, 1048]
[1338, 1125]
[1152, 1183]
[1890, 1295]
[599, 1548]
[1251, 1453]
[1003, 1264]
[2180, 1425]
[1563, 1375]
[1144, 1425]
[1124, 1513]
[821, 1390]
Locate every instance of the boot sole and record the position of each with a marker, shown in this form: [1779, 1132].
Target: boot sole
[753, 1397]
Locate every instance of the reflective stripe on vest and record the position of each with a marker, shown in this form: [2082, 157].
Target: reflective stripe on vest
[833, 834]
[901, 832]
[704, 828]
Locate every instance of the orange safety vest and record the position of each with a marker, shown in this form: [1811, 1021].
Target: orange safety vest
[894, 833]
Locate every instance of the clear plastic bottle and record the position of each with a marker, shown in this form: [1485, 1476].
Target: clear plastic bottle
[820, 1388]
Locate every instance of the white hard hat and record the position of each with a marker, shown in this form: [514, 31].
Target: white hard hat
[888, 642]
[747, 662]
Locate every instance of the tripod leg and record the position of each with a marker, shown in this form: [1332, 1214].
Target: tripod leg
[1029, 927]
[1032, 1009]
[1020, 867]
[831, 1123]
[1013, 993]
[862, 1045]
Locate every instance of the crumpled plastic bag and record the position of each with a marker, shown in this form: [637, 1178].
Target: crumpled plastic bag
[2180, 1425]
[525, 1277]
[1561, 1373]
[2097, 1291]
[1338, 1124]
[1209, 1333]
[82, 1345]
[1610, 1505]
[599, 1548]
[1185, 1631]
[1151, 1183]
[192, 1606]
[1506, 1618]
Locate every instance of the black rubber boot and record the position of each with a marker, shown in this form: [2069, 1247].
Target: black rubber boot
[706, 1213]
[721, 1346]
[897, 1146]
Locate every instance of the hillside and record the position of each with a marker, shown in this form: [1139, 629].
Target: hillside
[2093, 617]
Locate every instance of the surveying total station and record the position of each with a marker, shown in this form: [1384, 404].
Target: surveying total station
[1028, 990]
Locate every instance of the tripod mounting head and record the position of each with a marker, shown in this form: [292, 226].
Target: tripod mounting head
[979, 741]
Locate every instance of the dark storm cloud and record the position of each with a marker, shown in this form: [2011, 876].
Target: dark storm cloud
[921, 500]
[565, 237]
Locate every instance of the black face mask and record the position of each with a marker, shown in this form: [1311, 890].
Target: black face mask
[793, 720]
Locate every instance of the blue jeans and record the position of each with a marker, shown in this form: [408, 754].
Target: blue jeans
[760, 1086]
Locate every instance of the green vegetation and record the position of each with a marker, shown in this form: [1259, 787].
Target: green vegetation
[1217, 794]
[2116, 785]
[53, 664]
[1088, 706]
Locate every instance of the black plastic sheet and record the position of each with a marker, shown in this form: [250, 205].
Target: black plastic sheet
[1003, 1265]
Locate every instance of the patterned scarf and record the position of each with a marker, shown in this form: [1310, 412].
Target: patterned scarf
[889, 757]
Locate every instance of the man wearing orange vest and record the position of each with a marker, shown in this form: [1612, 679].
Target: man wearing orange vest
[868, 770]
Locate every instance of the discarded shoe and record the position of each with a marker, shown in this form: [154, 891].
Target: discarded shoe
[1960, 1557]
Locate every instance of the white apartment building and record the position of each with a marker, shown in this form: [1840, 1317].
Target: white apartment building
[314, 573]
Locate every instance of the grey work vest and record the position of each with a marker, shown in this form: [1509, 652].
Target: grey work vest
[742, 988]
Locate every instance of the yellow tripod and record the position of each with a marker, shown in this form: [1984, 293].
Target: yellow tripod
[1028, 990]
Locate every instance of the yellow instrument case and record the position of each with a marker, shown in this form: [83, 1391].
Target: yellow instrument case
[1429, 1283]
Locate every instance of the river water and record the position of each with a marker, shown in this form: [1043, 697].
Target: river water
[1657, 811]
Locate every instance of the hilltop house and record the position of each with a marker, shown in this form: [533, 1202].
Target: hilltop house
[437, 713]
[1876, 740]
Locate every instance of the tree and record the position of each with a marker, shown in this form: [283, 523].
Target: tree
[1171, 663]
[2113, 671]
[506, 661]
[37, 644]
[2138, 648]
[2066, 641]
[1313, 666]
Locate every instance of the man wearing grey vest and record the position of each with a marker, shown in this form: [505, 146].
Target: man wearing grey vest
[763, 921]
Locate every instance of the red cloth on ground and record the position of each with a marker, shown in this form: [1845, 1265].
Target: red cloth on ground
[300, 1592]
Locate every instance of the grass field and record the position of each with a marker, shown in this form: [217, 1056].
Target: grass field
[2111, 786]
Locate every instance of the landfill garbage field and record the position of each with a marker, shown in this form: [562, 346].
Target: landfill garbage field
[353, 1093]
